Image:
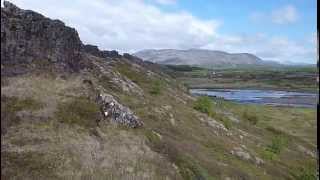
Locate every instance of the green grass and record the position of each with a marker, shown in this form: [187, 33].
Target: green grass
[80, 111]
[134, 75]
[204, 105]
[11, 105]
[188, 167]
[14, 104]
[307, 173]
[251, 117]
[192, 145]
[279, 142]
[31, 164]
[285, 78]
[157, 87]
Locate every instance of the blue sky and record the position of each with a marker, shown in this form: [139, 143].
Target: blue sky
[236, 15]
[279, 30]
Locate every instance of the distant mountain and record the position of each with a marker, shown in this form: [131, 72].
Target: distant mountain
[201, 57]
[291, 63]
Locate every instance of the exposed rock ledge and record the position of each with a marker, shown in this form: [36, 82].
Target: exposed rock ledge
[117, 112]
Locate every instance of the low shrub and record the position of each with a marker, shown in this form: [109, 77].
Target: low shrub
[269, 155]
[278, 144]
[204, 105]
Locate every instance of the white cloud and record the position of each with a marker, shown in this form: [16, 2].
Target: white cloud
[269, 48]
[127, 25]
[283, 15]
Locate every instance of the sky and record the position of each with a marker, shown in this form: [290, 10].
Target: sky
[278, 30]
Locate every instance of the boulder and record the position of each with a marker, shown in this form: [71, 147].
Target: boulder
[117, 112]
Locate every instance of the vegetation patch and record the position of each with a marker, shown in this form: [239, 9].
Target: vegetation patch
[80, 111]
[204, 105]
[34, 165]
[307, 173]
[226, 122]
[11, 105]
[134, 76]
[279, 142]
[251, 117]
[157, 87]
[106, 82]
[14, 104]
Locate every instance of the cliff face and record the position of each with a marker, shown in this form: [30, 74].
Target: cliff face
[27, 37]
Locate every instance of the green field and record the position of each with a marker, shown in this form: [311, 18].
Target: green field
[282, 78]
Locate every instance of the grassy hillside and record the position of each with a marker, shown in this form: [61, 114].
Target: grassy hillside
[50, 130]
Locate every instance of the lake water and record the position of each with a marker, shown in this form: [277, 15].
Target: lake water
[268, 97]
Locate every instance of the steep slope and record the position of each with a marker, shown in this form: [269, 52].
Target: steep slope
[200, 57]
[103, 115]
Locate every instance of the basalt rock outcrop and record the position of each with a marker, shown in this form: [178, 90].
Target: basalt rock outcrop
[30, 38]
[118, 113]
[94, 50]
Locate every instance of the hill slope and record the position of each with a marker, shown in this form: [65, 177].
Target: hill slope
[200, 57]
[83, 113]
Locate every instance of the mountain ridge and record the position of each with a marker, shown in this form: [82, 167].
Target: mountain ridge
[202, 57]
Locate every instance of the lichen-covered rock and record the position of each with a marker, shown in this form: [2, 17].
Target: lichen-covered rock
[117, 112]
[29, 38]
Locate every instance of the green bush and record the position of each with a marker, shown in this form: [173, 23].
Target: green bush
[268, 155]
[278, 144]
[204, 105]
[80, 111]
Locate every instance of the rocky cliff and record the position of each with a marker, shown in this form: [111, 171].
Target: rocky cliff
[30, 38]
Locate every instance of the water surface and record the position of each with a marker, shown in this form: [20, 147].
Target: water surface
[269, 97]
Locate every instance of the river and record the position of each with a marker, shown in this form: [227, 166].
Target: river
[266, 97]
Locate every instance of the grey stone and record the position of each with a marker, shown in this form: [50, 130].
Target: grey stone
[29, 38]
[117, 112]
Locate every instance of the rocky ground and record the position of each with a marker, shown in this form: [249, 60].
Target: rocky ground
[72, 111]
